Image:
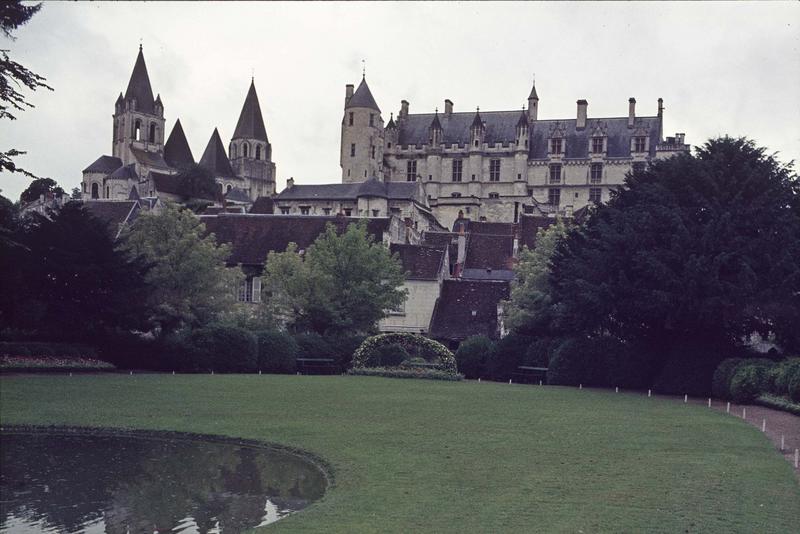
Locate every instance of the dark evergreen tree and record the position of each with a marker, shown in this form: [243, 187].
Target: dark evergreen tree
[40, 186]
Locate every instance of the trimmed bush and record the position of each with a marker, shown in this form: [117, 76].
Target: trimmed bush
[277, 352]
[573, 362]
[388, 356]
[344, 347]
[473, 355]
[395, 372]
[416, 346]
[225, 349]
[782, 374]
[313, 345]
[721, 381]
[507, 356]
[748, 382]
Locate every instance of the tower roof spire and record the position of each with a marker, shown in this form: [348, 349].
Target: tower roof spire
[362, 98]
[251, 122]
[176, 151]
[533, 94]
[215, 159]
[139, 85]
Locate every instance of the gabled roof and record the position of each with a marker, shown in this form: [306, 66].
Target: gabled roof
[263, 206]
[128, 172]
[139, 86]
[104, 164]
[419, 262]
[477, 122]
[176, 151]
[251, 122]
[372, 188]
[467, 308]
[237, 195]
[252, 237]
[215, 159]
[149, 159]
[362, 98]
[486, 251]
[115, 213]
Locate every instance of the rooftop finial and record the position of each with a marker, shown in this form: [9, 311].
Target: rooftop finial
[363, 68]
[252, 75]
[140, 44]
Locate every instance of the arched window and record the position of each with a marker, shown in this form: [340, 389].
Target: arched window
[95, 191]
[137, 130]
[233, 151]
[244, 150]
[152, 132]
[228, 189]
[258, 151]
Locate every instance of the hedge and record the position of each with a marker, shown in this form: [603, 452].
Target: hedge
[745, 380]
[277, 352]
[416, 346]
[49, 363]
[473, 356]
[507, 356]
[405, 372]
[225, 349]
[39, 349]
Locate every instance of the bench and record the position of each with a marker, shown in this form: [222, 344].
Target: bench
[316, 366]
[528, 374]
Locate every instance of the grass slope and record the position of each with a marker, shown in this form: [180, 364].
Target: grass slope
[426, 456]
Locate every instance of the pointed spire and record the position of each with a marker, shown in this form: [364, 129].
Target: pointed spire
[177, 153]
[120, 99]
[533, 95]
[215, 159]
[435, 124]
[477, 122]
[251, 122]
[523, 118]
[139, 86]
[362, 98]
[391, 121]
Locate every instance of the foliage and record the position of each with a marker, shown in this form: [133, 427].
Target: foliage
[782, 374]
[689, 369]
[13, 75]
[406, 372]
[794, 388]
[721, 381]
[277, 352]
[747, 383]
[66, 287]
[538, 352]
[779, 403]
[530, 307]
[225, 349]
[415, 345]
[313, 345]
[346, 283]
[50, 363]
[391, 355]
[39, 349]
[344, 346]
[473, 355]
[197, 182]
[38, 187]
[193, 284]
[507, 355]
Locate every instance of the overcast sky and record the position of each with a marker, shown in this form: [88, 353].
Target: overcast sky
[722, 68]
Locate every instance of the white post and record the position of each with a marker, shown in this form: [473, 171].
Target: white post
[763, 425]
[728, 408]
[70, 374]
[479, 380]
[744, 413]
[131, 373]
[709, 402]
[173, 372]
[616, 390]
[580, 386]
[509, 381]
[259, 371]
[540, 382]
[796, 458]
[783, 442]
[685, 399]
[649, 392]
[212, 371]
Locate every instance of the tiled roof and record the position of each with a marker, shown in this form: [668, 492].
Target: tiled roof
[149, 159]
[114, 213]
[139, 86]
[467, 308]
[263, 206]
[176, 151]
[483, 227]
[443, 240]
[363, 98]
[489, 252]
[128, 172]
[529, 226]
[251, 122]
[419, 262]
[351, 191]
[501, 127]
[215, 159]
[372, 188]
[170, 184]
[237, 195]
[253, 236]
[104, 164]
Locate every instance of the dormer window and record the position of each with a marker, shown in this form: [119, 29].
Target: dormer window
[556, 146]
[597, 145]
[639, 144]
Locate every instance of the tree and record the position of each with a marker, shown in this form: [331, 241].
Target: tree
[529, 309]
[14, 14]
[40, 186]
[66, 280]
[345, 282]
[192, 285]
[197, 182]
[694, 251]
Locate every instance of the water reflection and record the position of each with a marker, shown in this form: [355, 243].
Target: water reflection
[63, 482]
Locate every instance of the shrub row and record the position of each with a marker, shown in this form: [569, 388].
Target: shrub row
[406, 372]
[50, 363]
[745, 380]
[46, 350]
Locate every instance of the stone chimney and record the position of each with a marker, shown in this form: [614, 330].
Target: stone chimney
[290, 181]
[582, 105]
[348, 92]
[448, 106]
[403, 109]
[631, 112]
[462, 252]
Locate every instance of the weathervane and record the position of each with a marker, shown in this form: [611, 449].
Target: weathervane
[363, 68]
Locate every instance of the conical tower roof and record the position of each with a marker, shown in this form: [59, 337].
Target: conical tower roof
[251, 122]
[363, 98]
[176, 151]
[533, 92]
[139, 86]
[215, 159]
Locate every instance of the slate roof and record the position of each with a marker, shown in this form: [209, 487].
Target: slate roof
[215, 159]
[252, 237]
[113, 213]
[139, 86]
[176, 151]
[351, 191]
[419, 262]
[128, 172]
[237, 195]
[104, 164]
[149, 159]
[263, 206]
[529, 226]
[134, 194]
[485, 251]
[251, 122]
[170, 184]
[362, 98]
[501, 127]
[453, 317]
[533, 92]
[483, 227]
[443, 240]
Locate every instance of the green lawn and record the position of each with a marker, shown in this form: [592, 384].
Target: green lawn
[426, 456]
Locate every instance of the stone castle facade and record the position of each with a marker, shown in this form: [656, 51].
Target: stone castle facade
[143, 164]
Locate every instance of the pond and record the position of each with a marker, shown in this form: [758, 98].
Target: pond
[95, 482]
